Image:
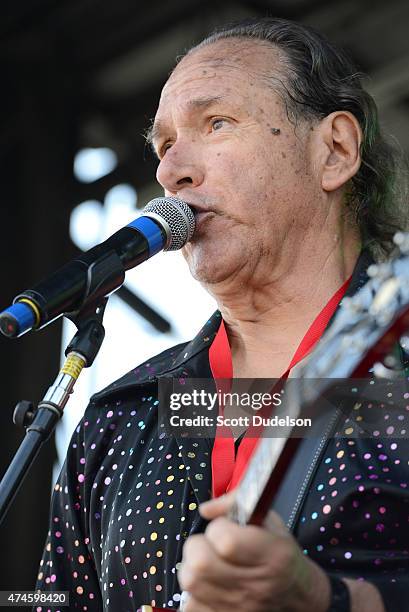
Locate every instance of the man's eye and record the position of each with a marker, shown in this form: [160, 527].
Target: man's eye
[217, 123]
[164, 148]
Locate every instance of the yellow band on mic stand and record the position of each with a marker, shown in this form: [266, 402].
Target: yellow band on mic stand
[73, 365]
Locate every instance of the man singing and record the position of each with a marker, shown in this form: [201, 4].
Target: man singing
[265, 130]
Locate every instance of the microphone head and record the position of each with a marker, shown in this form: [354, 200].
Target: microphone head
[176, 218]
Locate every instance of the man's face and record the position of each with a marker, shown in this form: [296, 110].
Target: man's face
[227, 147]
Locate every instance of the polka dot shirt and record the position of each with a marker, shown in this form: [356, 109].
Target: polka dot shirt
[127, 497]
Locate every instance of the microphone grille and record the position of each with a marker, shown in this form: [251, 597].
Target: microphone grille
[176, 217]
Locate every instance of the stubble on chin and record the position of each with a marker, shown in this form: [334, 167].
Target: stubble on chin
[215, 263]
[201, 266]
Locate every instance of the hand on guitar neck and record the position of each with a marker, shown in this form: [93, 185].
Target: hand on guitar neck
[265, 570]
[242, 556]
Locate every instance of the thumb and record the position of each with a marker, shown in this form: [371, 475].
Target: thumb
[217, 507]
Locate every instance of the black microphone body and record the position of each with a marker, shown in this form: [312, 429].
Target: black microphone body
[165, 223]
[68, 287]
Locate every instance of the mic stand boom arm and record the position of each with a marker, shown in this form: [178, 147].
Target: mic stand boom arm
[41, 422]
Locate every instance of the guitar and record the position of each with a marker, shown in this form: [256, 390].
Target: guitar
[364, 331]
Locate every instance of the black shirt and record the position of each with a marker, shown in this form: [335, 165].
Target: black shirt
[127, 498]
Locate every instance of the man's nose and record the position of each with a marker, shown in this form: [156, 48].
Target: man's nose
[178, 168]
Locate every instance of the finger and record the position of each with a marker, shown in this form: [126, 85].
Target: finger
[202, 569]
[220, 596]
[245, 546]
[274, 523]
[200, 562]
[203, 575]
[217, 507]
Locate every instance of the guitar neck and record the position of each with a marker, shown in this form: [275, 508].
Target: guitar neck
[262, 479]
[272, 457]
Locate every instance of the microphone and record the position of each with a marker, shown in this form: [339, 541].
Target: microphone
[164, 224]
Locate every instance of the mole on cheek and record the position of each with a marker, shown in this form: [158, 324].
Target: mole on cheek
[275, 131]
[283, 155]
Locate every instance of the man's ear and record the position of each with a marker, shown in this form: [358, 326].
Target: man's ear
[342, 137]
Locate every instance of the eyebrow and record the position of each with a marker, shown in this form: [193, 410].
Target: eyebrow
[158, 127]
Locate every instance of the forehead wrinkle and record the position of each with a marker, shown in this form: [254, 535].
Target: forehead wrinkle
[204, 102]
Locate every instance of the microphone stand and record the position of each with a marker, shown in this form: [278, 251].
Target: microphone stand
[41, 421]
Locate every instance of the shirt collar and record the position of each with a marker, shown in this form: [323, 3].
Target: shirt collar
[176, 359]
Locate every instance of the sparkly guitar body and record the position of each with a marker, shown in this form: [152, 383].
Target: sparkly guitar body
[364, 331]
